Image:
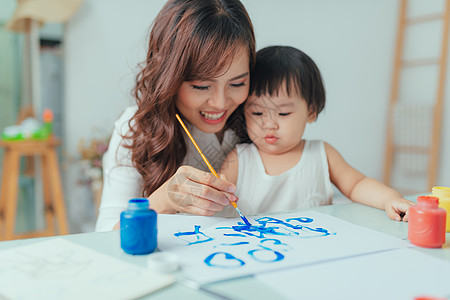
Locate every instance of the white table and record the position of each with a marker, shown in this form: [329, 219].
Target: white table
[248, 287]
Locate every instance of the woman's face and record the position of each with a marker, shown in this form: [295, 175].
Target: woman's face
[208, 104]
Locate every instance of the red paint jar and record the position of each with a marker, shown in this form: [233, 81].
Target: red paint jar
[426, 224]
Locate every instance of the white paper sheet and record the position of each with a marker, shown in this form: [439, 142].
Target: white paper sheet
[211, 250]
[397, 274]
[59, 269]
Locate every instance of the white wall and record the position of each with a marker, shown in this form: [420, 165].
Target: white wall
[352, 41]
[6, 9]
[353, 49]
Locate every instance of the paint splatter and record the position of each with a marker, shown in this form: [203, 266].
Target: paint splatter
[286, 228]
[223, 260]
[267, 250]
[197, 236]
[266, 255]
[235, 244]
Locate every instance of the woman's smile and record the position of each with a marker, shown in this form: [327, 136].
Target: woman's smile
[215, 117]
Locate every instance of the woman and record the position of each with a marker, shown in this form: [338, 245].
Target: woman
[198, 65]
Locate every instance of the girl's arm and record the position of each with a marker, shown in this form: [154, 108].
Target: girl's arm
[359, 188]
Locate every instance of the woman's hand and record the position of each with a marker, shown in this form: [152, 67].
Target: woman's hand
[196, 192]
[397, 208]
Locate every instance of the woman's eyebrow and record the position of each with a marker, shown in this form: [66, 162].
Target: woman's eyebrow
[234, 78]
[239, 76]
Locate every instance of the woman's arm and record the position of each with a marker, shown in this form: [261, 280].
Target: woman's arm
[193, 191]
[121, 181]
[189, 190]
[230, 167]
[359, 188]
[197, 192]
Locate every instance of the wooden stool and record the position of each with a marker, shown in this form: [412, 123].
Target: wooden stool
[54, 205]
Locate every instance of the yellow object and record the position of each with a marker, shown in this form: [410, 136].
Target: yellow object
[443, 193]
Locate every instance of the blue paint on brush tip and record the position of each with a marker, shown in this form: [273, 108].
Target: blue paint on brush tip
[246, 221]
[243, 218]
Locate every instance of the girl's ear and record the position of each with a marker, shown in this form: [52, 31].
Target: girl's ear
[312, 115]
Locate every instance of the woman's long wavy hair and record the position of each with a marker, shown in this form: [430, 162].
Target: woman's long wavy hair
[189, 40]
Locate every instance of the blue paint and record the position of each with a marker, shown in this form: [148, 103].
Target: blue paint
[269, 250]
[276, 243]
[232, 234]
[138, 227]
[262, 230]
[236, 244]
[229, 259]
[269, 220]
[201, 237]
[278, 255]
[243, 217]
[246, 221]
[301, 219]
[256, 231]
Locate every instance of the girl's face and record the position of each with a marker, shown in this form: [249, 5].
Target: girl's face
[276, 124]
[208, 104]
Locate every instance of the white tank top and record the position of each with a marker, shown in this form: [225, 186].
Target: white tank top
[305, 185]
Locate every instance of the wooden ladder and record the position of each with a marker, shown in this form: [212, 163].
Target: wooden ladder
[400, 63]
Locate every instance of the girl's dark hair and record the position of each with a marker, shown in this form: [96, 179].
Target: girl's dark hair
[189, 40]
[283, 65]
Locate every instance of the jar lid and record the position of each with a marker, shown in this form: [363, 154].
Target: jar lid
[138, 203]
[429, 200]
[441, 191]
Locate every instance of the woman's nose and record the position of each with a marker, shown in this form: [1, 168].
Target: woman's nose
[218, 100]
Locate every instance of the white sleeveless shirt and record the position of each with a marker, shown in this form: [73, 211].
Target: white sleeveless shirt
[305, 185]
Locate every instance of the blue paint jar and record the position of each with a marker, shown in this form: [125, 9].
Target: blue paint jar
[138, 227]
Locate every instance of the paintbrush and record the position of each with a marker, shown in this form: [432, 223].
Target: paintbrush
[209, 166]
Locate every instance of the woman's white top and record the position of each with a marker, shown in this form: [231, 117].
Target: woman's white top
[121, 180]
[307, 184]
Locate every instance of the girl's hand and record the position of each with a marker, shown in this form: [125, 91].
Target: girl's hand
[196, 192]
[397, 208]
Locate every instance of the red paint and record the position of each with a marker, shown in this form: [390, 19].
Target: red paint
[426, 224]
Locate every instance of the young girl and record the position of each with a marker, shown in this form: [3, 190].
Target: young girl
[198, 62]
[280, 170]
